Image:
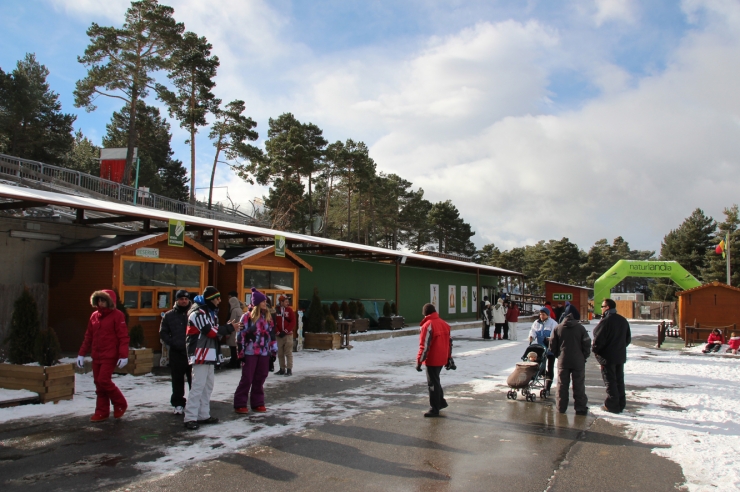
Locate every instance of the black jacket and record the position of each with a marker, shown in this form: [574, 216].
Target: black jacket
[571, 344]
[174, 326]
[569, 309]
[611, 337]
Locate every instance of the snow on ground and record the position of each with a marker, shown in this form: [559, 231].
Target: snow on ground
[691, 404]
[7, 395]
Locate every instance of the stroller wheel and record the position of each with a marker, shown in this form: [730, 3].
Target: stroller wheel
[513, 395]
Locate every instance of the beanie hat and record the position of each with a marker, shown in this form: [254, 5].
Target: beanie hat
[211, 293]
[182, 293]
[257, 297]
[500, 301]
[545, 310]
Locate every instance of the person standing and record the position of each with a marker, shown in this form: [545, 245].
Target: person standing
[256, 344]
[173, 332]
[284, 327]
[487, 319]
[540, 333]
[569, 310]
[435, 351]
[204, 344]
[236, 311]
[611, 337]
[571, 345]
[512, 318]
[499, 320]
[107, 339]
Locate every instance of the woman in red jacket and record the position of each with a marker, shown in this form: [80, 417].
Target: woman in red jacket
[107, 337]
[714, 342]
[435, 350]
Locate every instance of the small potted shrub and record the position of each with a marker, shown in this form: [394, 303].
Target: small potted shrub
[385, 322]
[28, 344]
[397, 321]
[344, 308]
[361, 323]
[334, 309]
[317, 326]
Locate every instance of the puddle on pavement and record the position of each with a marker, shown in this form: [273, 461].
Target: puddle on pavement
[84, 465]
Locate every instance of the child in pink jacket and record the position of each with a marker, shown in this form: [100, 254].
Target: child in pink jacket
[734, 343]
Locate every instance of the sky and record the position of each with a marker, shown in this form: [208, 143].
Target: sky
[584, 119]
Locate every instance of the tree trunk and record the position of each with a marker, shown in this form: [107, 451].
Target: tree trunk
[213, 172]
[326, 212]
[349, 205]
[310, 206]
[131, 137]
[192, 143]
[359, 217]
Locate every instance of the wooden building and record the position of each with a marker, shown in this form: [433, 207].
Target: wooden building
[259, 267]
[714, 305]
[144, 271]
[558, 293]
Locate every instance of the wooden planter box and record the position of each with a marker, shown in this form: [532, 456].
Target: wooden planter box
[140, 361]
[52, 383]
[361, 325]
[390, 323]
[322, 341]
[397, 322]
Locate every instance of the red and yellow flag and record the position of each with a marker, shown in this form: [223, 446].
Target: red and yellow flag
[720, 249]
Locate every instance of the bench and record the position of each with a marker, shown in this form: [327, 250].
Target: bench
[699, 334]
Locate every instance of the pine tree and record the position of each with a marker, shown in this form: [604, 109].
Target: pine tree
[450, 231]
[32, 125]
[83, 156]
[122, 62]
[192, 74]
[716, 269]
[46, 348]
[315, 313]
[24, 329]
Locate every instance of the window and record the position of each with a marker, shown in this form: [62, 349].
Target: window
[151, 274]
[268, 279]
[131, 299]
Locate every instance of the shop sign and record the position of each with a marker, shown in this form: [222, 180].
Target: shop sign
[562, 297]
[176, 233]
[280, 246]
[148, 252]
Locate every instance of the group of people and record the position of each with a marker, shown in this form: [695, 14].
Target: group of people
[194, 336]
[503, 316]
[716, 339]
[570, 343]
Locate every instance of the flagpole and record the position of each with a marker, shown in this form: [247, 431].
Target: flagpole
[727, 242]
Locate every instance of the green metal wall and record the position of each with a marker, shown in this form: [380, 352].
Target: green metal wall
[339, 278]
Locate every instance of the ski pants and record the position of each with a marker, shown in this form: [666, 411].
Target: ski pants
[107, 391]
[580, 400]
[198, 406]
[251, 385]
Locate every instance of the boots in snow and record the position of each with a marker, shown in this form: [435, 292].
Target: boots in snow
[98, 417]
[119, 411]
[289, 372]
[280, 372]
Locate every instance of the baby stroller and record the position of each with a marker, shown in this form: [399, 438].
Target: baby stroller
[529, 376]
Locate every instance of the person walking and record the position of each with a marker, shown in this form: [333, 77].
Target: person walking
[611, 337]
[173, 332]
[540, 333]
[236, 311]
[571, 310]
[571, 345]
[284, 327]
[499, 320]
[256, 344]
[487, 319]
[435, 351]
[106, 338]
[512, 318]
[204, 344]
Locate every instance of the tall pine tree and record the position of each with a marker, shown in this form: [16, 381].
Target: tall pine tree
[716, 269]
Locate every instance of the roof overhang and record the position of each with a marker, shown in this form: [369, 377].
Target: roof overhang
[297, 242]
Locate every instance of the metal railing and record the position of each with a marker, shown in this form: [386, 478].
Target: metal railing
[37, 174]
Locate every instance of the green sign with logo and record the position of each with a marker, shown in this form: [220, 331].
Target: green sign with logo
[280, 246]
[562, 297]
[176, 234]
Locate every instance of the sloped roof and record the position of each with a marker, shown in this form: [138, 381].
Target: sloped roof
[569, 285]
[238, 255]
[705, 286]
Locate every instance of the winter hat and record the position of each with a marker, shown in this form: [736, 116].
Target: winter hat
[257, 297]
[545, 310]
[182, 293]
[488, 304]
[234, 293]
[281, 298]
[500, 301]
[211, 293]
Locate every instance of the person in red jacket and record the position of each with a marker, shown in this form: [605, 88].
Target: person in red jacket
[512, 318]
[714, 342]
[734, 344]
[107, 337]
[284, 328]
[435, 350]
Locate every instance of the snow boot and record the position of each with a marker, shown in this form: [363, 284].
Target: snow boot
[209, 420]
[242, 410]
[191, 425]
[261, 409]
[280, 372]
[432, 413]
[289, 372]
[98, 417]
[119, 411]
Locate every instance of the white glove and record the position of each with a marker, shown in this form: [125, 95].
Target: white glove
[80, 361]
[122, 363]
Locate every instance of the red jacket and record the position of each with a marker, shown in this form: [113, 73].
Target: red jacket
[734, 343]
[435, 347]
[512, 315]
[552, 312]
[715, 338]
[107, 333]
[285, 320]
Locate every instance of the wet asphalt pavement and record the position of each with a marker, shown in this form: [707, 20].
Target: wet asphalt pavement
[482, 442]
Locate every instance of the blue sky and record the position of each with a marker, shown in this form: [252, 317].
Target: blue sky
[521, 112]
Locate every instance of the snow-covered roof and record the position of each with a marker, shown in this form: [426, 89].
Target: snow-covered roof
[87, 203]
[247, 254]
[130, 243]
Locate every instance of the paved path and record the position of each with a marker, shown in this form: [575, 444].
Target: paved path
[484, 442]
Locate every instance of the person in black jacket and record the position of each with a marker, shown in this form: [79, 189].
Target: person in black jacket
[571, 310]
[611, 337]
[571, 345]
[172, 332]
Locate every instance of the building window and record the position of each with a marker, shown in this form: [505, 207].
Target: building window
[151, 274]
[268, 279]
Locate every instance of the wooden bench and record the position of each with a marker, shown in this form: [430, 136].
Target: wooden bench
[699, 334]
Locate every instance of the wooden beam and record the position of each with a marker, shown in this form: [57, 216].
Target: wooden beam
[477, 290]
[23, 204]
[107, 220]
[147, 225]
[214, 264]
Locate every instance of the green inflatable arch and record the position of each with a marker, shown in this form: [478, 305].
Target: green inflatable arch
[635, 268]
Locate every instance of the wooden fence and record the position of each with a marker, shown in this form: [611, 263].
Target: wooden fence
[8, 296]
[647, 309]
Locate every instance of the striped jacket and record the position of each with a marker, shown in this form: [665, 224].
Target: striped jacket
[435, 345]
[204, 333]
